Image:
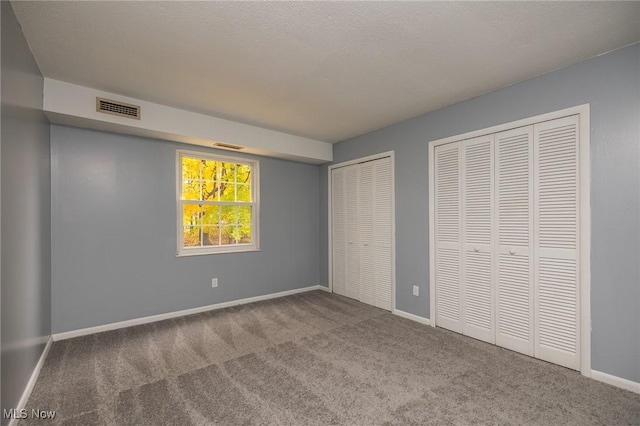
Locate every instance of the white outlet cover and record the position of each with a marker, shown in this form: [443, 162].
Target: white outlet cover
[214, 282]
[416, 290]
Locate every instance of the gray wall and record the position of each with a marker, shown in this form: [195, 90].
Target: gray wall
[114, 232]
[611, 84]
[26, 201]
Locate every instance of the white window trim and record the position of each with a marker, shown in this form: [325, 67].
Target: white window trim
[255, 197]
[583, 111]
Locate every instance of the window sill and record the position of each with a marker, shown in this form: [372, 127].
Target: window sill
[206, 253]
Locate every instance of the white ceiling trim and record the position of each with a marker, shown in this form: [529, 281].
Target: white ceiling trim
[74, 105]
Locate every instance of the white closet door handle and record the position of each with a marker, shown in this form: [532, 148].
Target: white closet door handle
[476, 249]
[512, 251]
[366, 244]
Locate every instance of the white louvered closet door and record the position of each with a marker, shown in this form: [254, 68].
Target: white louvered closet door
[338, 232]
[448, 242]
[382, 237]
[362, 236]
[352, 232]
[366, 233]
[514, 208]
[478, 236]
[556, 177]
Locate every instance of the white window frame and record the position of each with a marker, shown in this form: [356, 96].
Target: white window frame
[255, 203]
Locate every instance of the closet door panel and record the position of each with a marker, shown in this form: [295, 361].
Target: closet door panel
[382, 238]
[478, 235]
[448, 236]
[338, 232]
[383, 271]
[514, 207]
[383, 202]
[352, 232]
[556, 221]
[366, 219]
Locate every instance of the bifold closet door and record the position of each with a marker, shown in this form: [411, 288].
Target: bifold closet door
[344, 231]
[367, 230]
[448, 223]
[556, 180]
[375, 232]
[478, 238]
[352, 229]
[338, 232]
[362, 222]
[383, 232]
[514, 199]
[507, 239]
[465, 237]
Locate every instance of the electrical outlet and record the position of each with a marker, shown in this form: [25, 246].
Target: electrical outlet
[416, 290]
[214, 282]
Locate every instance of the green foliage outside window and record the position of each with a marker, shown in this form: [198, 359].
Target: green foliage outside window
[216, 205]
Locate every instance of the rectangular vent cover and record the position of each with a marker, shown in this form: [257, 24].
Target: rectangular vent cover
[121, 109]
[228, 146]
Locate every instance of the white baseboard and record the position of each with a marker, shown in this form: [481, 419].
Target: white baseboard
[412, 317]
[168, 315]
[324, 288]
[32, 380]
[615, 381]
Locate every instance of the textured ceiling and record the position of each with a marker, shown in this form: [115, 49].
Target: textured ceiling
[324, 70]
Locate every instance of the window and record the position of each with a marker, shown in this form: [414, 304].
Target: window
[217, 204]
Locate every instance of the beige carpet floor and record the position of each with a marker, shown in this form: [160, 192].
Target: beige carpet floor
[311, 359]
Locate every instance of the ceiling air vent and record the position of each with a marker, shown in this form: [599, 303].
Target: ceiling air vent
[121, 109]
[227, 146]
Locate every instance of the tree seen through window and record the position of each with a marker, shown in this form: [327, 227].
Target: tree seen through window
[216, 202]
